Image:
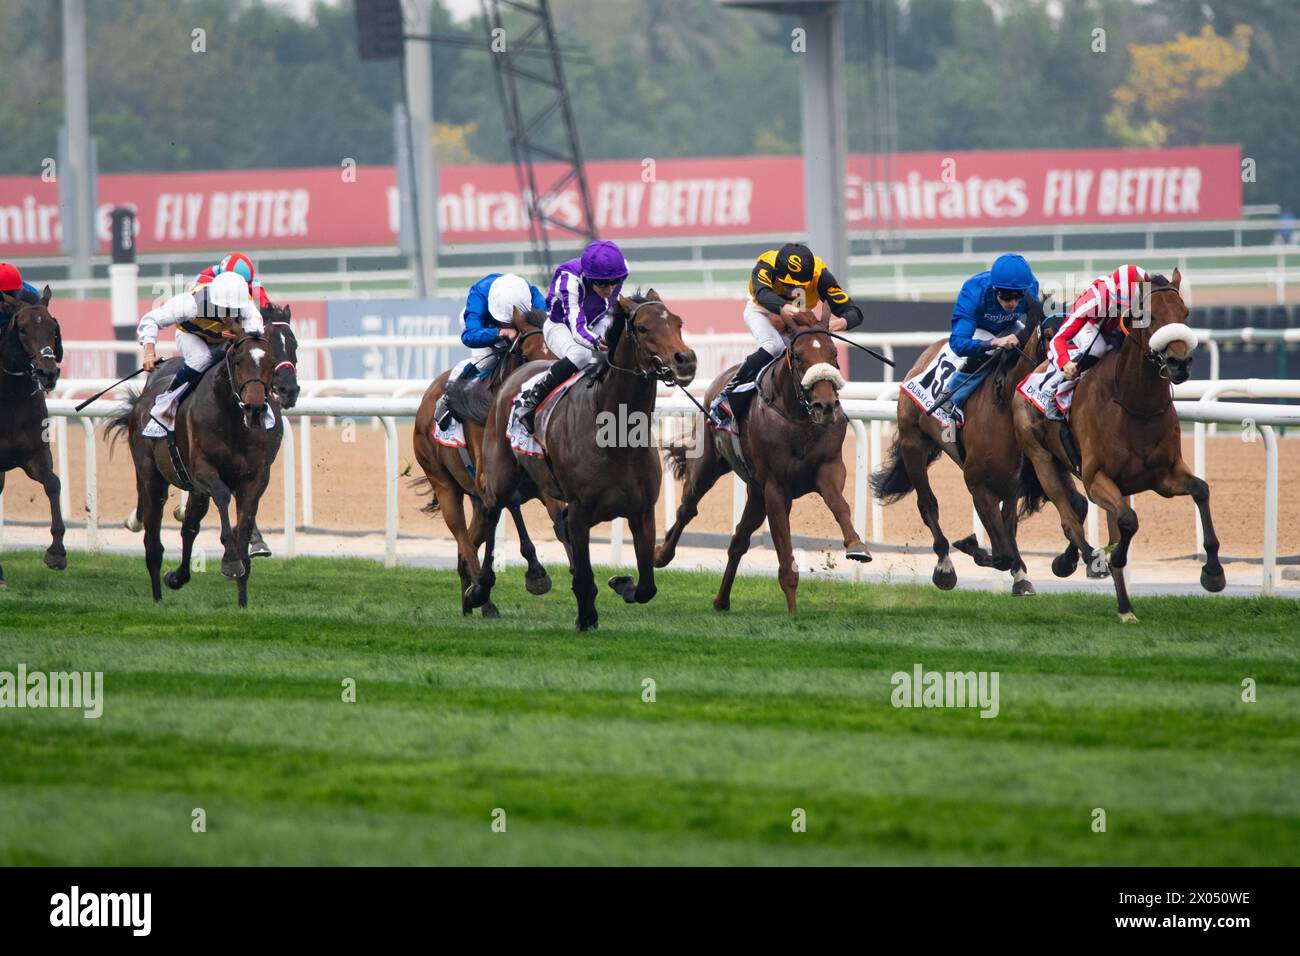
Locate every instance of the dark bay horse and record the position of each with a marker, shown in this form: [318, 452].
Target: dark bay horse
[792, 444]
[31, 349]
[450, 480]
[991, 467]
[599, 480]
[1127, 433]
[224, 447]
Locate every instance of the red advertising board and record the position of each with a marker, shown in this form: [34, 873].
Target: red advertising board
[324, 207]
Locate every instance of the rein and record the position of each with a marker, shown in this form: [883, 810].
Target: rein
[286, 363]
[237, 386]
[661, 372]
[800, 393]
[1161, 366]
[30, 370]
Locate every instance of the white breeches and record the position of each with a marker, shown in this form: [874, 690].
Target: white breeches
[194, 349]
[759, 322]
[563, 343]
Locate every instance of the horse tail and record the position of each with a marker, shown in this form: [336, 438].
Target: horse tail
[675, 459]
[892, 482]
[1032, 495]
[423, 486]
[120, 425]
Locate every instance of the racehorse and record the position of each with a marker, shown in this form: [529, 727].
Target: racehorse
[225, 451]
[450, 478]
[599, 479]
[790, 443]
[31, 349]
[1126, 431]
[988, 455]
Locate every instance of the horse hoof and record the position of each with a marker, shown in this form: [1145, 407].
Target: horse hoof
[1063, 567]
[1023, 588]
[233, 569]
[662, 558]
[621, 584]
[967, 545]
[591, 625]
[56, 561]
[178, 513]
[1098, 566]
[539, 583]
[858, 553]
[490, 611]
[475, 596]
[1213, 581]
[1128, 617]
[174, 580]
[133, 524]
[721, 604]
[944, 580]
[259, 550]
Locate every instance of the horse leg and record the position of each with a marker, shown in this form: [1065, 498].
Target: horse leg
[42, 472]
[643, 542]
[584, 581]
[830, 485]
[702, 474]
[536, 580]
[151, 498]
[778, 504]
[476, 539]
[1181, 481]
[233, 565]
[1021, 586]
[1060, 491]
[914, 460]
[451, 502]
[247, 498]
[3, 585]
[195, 509]
[988, 507]
[1116, 534]
[750, 519]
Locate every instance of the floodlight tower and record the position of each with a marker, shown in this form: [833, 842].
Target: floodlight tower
[824, 152]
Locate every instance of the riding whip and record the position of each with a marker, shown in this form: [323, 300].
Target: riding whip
[99, 395]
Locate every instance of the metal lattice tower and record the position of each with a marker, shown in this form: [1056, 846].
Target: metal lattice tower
[539, 118]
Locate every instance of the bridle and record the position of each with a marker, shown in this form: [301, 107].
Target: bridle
[660, 371]
[498, 370]
[236, 386]
[30, 370]
[1157, 359]
[286, 363]
[801, 395]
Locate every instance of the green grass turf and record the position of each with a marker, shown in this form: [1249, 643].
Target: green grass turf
[756, 714]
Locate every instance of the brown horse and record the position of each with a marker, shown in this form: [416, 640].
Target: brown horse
[31, 349]
[224, 447]
[451, 479]
[599, 479]
[792, 445]
[990, 466]
[1126, 430]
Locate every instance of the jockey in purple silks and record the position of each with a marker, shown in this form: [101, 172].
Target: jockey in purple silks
[578, 302]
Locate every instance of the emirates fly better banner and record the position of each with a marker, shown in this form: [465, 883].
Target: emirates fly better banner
[322, 207]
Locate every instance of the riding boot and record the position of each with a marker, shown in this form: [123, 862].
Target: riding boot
[558, 372]
[162, 418]
[442, 410]
[728, 404]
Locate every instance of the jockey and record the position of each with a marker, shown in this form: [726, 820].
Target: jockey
[996, 303]
[486, 327]
[779, 279]
[1090, 331]
[238, 263]
[581, 294]
[11, 283]
[202, 318]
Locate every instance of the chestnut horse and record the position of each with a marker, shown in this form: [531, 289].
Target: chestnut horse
[451, 480]
[225, 448]
[1126, 430]
[599, 480]
[991, 466]
[792, 445]
[31, 349]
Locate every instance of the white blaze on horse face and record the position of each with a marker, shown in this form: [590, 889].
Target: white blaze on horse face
[257, 355]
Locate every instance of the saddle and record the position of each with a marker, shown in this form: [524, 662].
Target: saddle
[469, 400]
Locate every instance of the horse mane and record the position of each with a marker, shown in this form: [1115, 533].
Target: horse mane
[535, 318]
[807, 319]
[1159, 281]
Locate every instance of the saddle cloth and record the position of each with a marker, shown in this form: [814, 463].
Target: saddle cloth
[1036, 387]
[926, 387]
[731, 426]
[454, 435]
[520, 440]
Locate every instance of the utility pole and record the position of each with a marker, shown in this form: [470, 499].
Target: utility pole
[78, 216]
[419, 110]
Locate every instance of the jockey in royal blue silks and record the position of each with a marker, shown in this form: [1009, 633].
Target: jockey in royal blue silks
[990, 313]
[580, 297]
[486, 326]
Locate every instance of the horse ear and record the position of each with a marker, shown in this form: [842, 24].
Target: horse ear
[287, 312]
[46, 295]
[625, 305]
[652, 296]
[8, 302]
[1176, 279]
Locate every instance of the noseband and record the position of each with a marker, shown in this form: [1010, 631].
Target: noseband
[801, 395]
[30, 370]
[659, 371]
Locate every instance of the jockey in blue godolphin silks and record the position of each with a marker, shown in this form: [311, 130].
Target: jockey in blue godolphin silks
[581, 294]
[990, 313]
[486, 327]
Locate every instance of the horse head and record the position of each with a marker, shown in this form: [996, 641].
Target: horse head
[1165, 338]
[38, 340]
[649, 335]
[284, 345]
[814, 367]
[528, 340]
[250, 364]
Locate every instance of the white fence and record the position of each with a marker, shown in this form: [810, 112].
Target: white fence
[861, 411]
